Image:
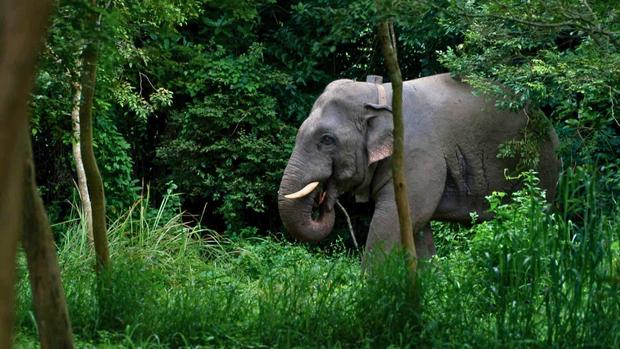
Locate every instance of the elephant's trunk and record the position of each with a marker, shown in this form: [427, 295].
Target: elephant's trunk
[297, 213]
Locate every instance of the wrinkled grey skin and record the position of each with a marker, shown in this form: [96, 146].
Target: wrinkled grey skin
[451, 142]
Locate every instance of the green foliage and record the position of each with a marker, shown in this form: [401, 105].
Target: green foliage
[228, 144]
[450, 237]
[120, 23]
[527, 148]
[559, 56]
[533, 277]
[115, 164]
[316, 44]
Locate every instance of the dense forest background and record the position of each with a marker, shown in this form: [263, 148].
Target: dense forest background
[203, 97]
[196, 106]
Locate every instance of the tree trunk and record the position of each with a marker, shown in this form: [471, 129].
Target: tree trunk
[388, 46]
[22, 25]
[12, 123]
[93, 176]
[79, 164]
[47, 292]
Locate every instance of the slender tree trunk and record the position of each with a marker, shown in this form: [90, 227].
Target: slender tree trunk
[22, 25]
[93, 176]
[79, 164]
[12, 124]
[47, 292]
[388, 46]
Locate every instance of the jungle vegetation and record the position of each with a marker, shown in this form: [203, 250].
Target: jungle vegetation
[195, 105]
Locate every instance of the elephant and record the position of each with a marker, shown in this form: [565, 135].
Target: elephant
[451, 139]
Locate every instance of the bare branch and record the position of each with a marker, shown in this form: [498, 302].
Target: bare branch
[349, 224]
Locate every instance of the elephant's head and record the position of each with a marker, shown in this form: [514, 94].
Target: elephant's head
[348, 130]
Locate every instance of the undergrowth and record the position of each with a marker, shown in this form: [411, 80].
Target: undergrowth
[532, 277]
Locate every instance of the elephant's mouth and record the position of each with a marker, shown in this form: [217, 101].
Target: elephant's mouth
[308, 213]
[323, 193]
[320, 201]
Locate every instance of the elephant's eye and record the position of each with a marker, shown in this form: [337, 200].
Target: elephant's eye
[327, 140]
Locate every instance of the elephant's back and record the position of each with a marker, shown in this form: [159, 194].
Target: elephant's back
[469, 129]
[453, 110]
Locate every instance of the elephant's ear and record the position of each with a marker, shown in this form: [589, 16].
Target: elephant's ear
[379, 137]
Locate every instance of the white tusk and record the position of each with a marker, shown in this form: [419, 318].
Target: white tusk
[305, 191]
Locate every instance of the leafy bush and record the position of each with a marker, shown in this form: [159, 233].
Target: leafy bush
[533, 276]
[228, 143]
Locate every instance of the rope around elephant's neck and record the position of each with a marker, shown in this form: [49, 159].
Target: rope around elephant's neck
[349, 223]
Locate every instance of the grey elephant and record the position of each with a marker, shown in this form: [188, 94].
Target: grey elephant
[451, 143]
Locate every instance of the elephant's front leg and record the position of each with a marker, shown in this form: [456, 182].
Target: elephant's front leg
[384, 231]
[426, 184]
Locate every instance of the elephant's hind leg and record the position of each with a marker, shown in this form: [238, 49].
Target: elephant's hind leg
[424, 244]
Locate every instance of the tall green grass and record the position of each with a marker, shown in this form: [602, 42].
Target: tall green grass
[532, 277]
[171, 285]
